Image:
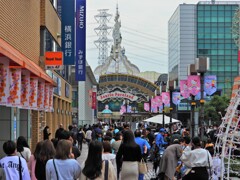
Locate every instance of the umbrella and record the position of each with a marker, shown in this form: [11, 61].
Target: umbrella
[159, 118]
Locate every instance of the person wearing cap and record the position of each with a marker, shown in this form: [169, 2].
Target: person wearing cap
[199, 160]
[160, 138]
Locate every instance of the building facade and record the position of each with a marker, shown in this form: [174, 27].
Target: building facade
[25, 36]
[204, 29]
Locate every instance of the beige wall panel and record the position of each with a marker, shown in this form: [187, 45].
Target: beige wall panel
[19, 26]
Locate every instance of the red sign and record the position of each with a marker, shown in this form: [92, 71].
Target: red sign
[94, 100]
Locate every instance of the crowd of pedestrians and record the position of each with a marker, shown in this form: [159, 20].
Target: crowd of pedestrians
[114, 152]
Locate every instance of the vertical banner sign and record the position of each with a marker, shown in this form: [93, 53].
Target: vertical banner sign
[94, 100]
[166, 98]
[210, 84]
[67, 15]
[176, 98]
[59, 8]
[90, 97]
[184, 88]
[146, 106]
[46, 97]
[40, 99]
[50, 99]
[80, 40]
[33, 93]
[4, 81]
[14, 98]
[238, 56]
[153, 105]
[25, 89]
[194, 84]
[158, 100]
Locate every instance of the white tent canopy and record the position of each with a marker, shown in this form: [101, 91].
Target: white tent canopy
[159, 119]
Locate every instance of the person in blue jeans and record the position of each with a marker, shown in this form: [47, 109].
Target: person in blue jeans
[143, 145]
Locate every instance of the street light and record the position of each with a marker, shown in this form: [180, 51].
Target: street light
[201, 66]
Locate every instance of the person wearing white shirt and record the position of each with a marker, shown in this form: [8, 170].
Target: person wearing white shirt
[199, 160]
[12, 163]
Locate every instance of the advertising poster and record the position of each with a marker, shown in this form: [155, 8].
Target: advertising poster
[176, 98]
[40, 99]
[154, 107]
[90, 97]
[146, 106]
[184, 88]
[194, 84]
[33, 93]
[158, 100]
[210, 84]
[46, 97]
[166, 98]
[50, 99]
[4, 80]
[14, 98]
[25, 89]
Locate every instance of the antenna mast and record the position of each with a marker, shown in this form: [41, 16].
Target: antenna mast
[102, 31]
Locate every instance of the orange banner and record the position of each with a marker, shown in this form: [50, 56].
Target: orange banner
[53, 58]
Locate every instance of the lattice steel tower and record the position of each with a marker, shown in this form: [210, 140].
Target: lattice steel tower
[102, 31]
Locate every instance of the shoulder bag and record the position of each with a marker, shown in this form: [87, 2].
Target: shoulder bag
[55, 169]
[106, 170]
[142, 167]
[20, 168]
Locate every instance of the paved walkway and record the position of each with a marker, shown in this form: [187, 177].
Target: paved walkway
[84, 153]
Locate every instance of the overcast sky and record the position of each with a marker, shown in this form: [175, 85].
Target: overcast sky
[144, 30]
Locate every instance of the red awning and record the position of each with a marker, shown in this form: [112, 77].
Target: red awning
[14, 55]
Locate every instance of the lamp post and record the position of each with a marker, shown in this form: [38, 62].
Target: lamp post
[201, 66]
[170, 127]
[193, 104]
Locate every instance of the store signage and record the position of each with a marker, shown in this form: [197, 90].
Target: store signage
[67, 15]
[80, 40]
[54, 60]
[117, 94]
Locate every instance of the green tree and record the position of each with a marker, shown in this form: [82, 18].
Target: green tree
[216, 107]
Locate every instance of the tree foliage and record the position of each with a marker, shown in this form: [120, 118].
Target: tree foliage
[216, 107]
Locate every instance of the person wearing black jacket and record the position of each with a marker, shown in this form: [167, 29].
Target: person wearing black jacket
[46, 133]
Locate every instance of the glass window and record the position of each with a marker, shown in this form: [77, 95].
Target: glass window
[200, 19]
[228, 13]
[221, 62]
[208, 19]
[207, 30]
[220, 79]
[214, 52]
[214, 46]
[220, 68]
[228, 68]
[214, 36]
[214, 13]
[220, 7]
[220, 30]
[220, 35]
[220, 52]
[228, 52]
[207, 13]
[200, 46]
[200, 7]
[214, 30]
[234, 68]
[214, 68]
[220, 19]
[200, 13]
[220, 46]
[228, 19]
[214, 19]
[228, 7]
[227, 62]
[207, 7]
[200, 30]
[234, 51]
[228, 46]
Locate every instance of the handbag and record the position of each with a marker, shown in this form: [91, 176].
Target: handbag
[142, 167]
[55, 169]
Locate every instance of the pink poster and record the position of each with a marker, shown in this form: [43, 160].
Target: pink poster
[33, 93]
[176, 98]
[40, 99]
[154, 107]
[158, 100]
[146, 106]
[194, 84]
[166, 98]
[50, 99]
[184, 88]
[14, 98]
[25, 89]
[46, 97]
[4, 81]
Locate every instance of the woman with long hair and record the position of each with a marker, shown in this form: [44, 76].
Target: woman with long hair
[63, 166]
[33, 159]
[23, 148]
[47, 152]
[94, 167]
[128, 156]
